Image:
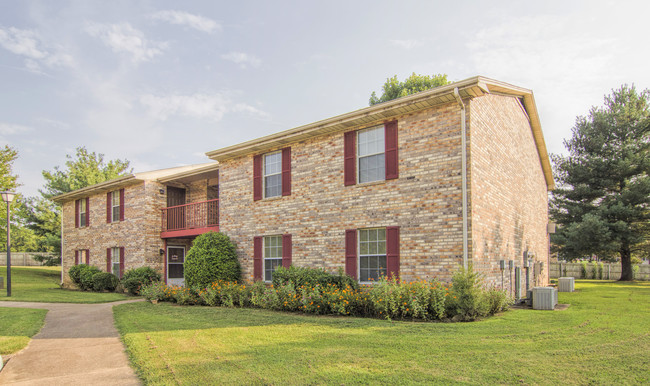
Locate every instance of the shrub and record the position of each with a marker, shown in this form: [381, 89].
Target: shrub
[466, 302]
[583, 269]
[75, 274]
[135, 278]
[105, 281]
[390, 298]
[86, 277]
[183, 295]
[594, 270]
[497, 300]
[226, 293]
[310, 277]
[155, 291]
[211, 258]
[600, 270]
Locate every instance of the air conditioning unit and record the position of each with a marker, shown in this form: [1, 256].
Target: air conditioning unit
[544, 298]
[566, 284]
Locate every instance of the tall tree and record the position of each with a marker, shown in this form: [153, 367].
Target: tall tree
[415, 83]
[8, 181]
[603, 199]
[84, 169]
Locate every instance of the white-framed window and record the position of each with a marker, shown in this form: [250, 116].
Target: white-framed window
[272, 255]
[115, 261]
[272, 174]
[115, 206]
[371, 154]
[83, 256]
[82, 212]
[372, 254]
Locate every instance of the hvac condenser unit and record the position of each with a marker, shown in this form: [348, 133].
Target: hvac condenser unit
[544, 298]
[566, 284]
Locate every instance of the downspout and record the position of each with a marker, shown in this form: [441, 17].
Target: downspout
[463, 171]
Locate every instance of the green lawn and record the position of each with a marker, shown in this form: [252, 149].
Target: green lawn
[604, 337]
[41, 284]
[17, 326]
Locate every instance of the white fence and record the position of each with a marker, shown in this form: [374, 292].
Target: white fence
[25, 259]
[610, 271]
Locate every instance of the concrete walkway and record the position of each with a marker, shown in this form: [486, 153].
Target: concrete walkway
[78, 345]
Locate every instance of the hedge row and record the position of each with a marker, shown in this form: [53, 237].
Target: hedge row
[89, 278]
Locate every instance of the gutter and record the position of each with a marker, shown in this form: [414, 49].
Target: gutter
[463, 141]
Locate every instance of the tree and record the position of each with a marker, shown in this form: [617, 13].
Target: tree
[415, 83]
[603, 199]
[8, 181]
[84, 170]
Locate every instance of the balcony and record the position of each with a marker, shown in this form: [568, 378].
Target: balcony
[190, 219]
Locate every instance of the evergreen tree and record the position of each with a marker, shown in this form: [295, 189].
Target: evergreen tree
[603, 199]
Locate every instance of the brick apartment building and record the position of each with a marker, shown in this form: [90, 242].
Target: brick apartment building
[417, 187]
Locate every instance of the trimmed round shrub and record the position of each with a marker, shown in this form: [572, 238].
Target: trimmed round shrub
[86, 277]
[136, 278]
[75, 274]
[105, 281]
[211, 258]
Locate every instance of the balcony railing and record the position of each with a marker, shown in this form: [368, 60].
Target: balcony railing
[196, 215]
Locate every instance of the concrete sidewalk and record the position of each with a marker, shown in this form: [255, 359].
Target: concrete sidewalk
[78, 345]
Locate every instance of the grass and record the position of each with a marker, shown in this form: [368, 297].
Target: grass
[41, 284]
[17, 326]
[604, 337]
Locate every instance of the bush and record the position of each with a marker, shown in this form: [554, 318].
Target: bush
[75, 274]
[583, 269]
[391, 299]
[86, 277]
[155, 291]
[134, 279]
[497, 300]
[226, 293]
[466, 302]
[594, 270]
[105, 281]
[212, 258]
[310, 277]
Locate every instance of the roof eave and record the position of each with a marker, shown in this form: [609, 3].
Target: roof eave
[97, 188]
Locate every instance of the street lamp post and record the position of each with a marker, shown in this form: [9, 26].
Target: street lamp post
[7, 197]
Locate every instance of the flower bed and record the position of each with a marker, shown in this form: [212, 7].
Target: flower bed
[464, 299]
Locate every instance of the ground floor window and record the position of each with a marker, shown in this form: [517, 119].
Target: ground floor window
[175, 265]
[272, 255]
[372, 254]
[115, 261]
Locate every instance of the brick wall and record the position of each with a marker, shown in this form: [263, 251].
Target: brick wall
[139, 233]
[424, 202]
[508, 195]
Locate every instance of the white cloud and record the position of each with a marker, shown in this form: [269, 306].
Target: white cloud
[201, 106]
[123, 38]
[242, 59]
[187, 19]
[406, 44]
[10, 129]
[29, 44]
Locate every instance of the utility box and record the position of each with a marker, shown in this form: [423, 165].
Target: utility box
[544, 298]
[566, 284]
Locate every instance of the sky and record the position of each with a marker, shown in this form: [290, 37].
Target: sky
[160, 83]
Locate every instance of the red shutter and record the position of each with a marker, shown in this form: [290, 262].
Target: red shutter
[76, 213]
[286, 251]
[257, 177]
[88, 256]
[351, 253]
[286, 171]
[121, 204]
[108, 260]
[258, 270]
[108, 208]
[76, 257]
[121, 262]
[87, 211]
[391, 156]
[392, 251]
[350, 158]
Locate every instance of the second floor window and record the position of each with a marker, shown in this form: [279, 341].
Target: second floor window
[370, 153]
[82, 213]
[273, 175]
[115, 206]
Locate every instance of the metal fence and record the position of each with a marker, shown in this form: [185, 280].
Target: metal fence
[610, 271]
[24, 259]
